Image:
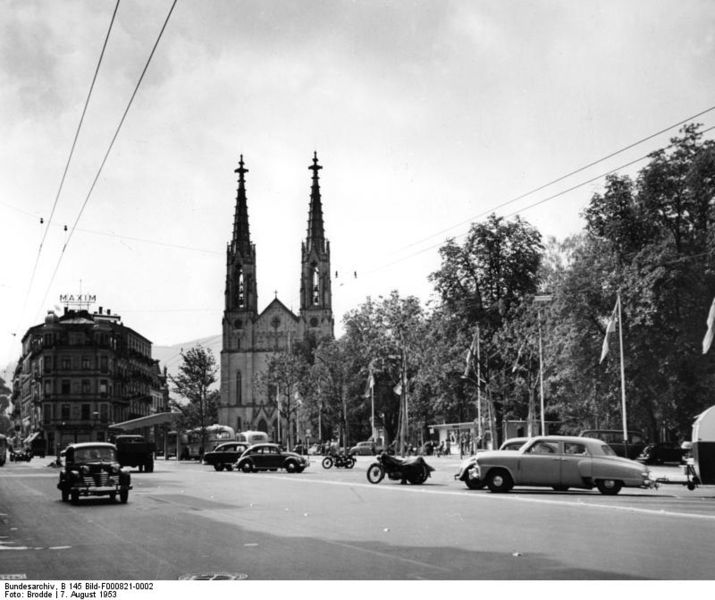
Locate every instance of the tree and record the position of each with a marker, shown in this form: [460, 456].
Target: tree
[284, 373]
[197, 373]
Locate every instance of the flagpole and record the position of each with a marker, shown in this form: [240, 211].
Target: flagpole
[479, 391]
[623, 376]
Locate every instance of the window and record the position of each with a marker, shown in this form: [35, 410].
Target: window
[85, 412]
[65, 363]
[103, 364]
[103, 412]
[65, 415]
[542, 448]
[86, 386]
[573, 448]
[103, 388]
[47, 364]
[65, 386]
[238, 387]
[48, 387]
[47, 413]
[85, 363]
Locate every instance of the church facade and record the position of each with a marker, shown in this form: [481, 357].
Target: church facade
[250, 338]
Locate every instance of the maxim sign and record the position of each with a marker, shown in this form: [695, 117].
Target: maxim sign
[78, 299]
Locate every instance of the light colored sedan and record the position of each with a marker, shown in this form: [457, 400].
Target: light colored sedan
[561, 462]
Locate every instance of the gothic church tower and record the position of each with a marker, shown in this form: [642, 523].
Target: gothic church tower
[250, 338]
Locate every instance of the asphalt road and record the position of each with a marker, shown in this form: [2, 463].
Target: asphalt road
[186, 520]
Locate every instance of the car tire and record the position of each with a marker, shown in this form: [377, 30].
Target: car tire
[149, 467]
[65, 495]
[609, 487]
[218, 467]
[74, 497]
[229, 467]
[474, 484]
[327, 462]
[123, 496]
[375, 473]
[112, 497]
[247, 467]
[499, 481]
[560, 488]
[300, 469]
[290, 466]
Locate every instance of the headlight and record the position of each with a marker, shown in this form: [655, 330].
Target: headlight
[84, 469]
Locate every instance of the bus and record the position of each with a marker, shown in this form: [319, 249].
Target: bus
[214, 435]
[252, 437]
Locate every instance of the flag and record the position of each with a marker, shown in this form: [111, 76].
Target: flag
[370, 381]
[610, 328]
[708, 339]
[470, 355]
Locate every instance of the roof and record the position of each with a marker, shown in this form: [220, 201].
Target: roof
[91, 445]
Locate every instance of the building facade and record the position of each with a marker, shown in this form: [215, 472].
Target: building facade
[250, 338]
[80, 372]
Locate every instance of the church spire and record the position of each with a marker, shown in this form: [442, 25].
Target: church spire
[241, 233]
[316, 231]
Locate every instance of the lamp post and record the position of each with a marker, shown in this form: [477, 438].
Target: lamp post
[541, 300]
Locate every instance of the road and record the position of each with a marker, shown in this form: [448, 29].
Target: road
[186, 520]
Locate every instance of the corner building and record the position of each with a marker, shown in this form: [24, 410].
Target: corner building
[250, 337]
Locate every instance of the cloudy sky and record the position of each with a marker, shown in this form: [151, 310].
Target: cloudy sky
[426, 115]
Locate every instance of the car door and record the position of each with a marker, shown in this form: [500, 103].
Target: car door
[540, 464]
[575, 464]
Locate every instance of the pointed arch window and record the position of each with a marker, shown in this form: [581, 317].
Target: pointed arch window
[315, 284]
[238, 388]
[240, 288]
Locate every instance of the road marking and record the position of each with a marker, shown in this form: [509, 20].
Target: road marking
[506, 497]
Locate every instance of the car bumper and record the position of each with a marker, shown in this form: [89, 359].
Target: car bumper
[100, 490]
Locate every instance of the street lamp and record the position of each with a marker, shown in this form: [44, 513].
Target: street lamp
[542, 299]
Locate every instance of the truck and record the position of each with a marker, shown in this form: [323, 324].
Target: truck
[135, 451]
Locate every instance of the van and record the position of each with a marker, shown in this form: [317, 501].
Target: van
[614, 438]
[252, 437]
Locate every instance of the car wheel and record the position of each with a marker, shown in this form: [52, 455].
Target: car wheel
[247, 467]
[561, 488]
[229, 467]
[474, 484]
[609, 487]
[149, 467]
[327, 462]
[124, 496]
[65, 495]
[375, 473]
[290, 466]
[300, 469]
[499, 481]
[74, 497]
[112, 497]
[218, 467]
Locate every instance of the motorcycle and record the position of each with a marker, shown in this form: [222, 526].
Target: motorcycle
[339, 460]
[415, 470]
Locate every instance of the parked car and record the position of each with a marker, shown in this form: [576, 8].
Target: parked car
[466, 467]
[561, 462]
[224, 455]
[92, 469]
[663, 452]
[364, 449]
[614, 438]
[270, 457]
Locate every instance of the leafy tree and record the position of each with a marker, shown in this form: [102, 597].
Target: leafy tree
[197, 374]
[283, 376]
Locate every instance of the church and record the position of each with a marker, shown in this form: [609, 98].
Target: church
[250, 337]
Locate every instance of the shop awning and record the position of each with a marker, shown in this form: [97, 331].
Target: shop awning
[148, 421]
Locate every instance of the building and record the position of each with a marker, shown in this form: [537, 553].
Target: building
[250, 337]
[78, 373]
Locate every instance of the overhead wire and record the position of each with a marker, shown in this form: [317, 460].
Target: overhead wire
[71, 153]
[106, 154]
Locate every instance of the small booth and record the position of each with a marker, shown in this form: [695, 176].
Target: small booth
[703, 448]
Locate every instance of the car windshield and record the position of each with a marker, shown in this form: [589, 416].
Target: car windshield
[94, 455]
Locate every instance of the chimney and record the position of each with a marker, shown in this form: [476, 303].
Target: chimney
[100, 310]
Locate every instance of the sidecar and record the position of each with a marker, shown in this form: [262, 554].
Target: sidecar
[415, 470]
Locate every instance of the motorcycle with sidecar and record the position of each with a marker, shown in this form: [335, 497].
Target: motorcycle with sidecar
[413, 469]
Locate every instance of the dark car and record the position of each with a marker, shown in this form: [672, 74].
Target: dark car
[225, 455]
[92, 469]
[270, 457]
[663, 452]
[614, 438]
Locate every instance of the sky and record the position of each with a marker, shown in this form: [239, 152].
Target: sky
[426, 116]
